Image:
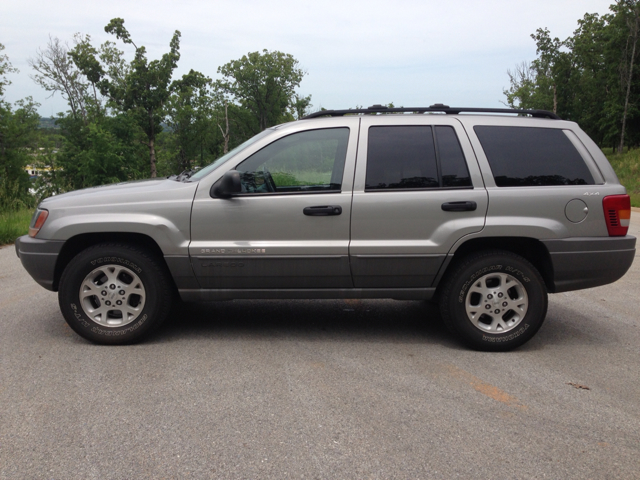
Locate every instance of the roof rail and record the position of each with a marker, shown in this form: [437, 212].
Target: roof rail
[438, 107]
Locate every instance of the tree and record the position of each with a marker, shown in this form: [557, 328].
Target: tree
[523, 86]
[301, 106]
[5, 67]
[264, 83]
[56, 72]
[589, 77]
[17, 139]
[141, 89]
[627, 12]
[189, 112]
[106, 150]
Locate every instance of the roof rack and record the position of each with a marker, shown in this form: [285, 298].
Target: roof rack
[438, 107]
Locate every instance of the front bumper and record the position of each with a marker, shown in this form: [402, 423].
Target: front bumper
[589, 262]
[39, 258]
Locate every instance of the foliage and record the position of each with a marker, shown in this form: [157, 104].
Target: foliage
[189, 111]
[5, 67]
[627, 167]
[140, 89]
[590, 77]
[56, 72]
[264, 83]
[119, 108]
[17, 143]
[105, 150]
[13, 224]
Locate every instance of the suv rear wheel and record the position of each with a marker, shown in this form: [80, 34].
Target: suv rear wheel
[494, 300]
[114, 294]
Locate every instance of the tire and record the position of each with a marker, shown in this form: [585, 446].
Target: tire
[115, 294]
[494, 300]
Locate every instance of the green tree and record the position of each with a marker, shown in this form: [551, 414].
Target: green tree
[301, 106]
[590, 77]
[141, 89]
[105, 150]
[18, 133]
[263, 83]
[189, 112]
[626, 21]
[539, 84]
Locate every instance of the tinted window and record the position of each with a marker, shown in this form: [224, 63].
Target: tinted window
[452, 163]
[305, 161]
[525, 156]
[401, 157]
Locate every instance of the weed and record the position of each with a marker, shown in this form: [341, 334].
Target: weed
[627, 167]
[13, 224]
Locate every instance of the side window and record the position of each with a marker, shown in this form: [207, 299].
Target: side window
[454, 167]
[401, 157]
[301, 162]
[415, 157]
[528, 156]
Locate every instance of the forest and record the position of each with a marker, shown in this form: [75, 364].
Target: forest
[129, 117]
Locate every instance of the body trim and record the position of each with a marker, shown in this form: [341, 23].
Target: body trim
[589, 262]
[194, 295]
[39, 258]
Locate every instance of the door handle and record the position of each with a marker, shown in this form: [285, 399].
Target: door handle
[323, 211]
[459, 206]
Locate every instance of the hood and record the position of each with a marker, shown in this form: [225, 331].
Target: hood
[149, 190]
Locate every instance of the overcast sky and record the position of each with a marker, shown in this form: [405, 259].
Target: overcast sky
[355, 52]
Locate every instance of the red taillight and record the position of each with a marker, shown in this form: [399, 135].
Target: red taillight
[37, 221]
[617, 213]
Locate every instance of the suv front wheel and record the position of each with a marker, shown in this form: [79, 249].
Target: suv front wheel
[115, 294]
[494, 300]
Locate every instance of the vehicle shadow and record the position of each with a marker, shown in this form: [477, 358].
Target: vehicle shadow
[338, 320]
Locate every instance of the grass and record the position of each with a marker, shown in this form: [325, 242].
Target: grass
[627, 167]
[301, 178]
[13, 224]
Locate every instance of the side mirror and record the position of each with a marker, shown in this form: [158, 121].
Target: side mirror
[228, 186]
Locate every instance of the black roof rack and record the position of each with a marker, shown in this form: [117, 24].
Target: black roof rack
[438, 107]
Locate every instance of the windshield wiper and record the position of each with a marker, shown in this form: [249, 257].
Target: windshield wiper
[184, 175]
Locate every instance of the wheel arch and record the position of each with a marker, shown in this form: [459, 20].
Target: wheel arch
[530, 249]
[85, 240]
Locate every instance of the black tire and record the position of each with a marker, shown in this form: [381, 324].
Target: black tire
[126, 294]
[493, 300]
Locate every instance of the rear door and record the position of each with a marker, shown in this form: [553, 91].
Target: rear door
[417, 190]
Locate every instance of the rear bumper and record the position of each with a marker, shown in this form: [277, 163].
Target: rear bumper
[39, 258]
[589, 262]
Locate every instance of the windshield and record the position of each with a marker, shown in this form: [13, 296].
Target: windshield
[211, 167]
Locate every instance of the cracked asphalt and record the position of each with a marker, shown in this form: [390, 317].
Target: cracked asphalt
[320, 389]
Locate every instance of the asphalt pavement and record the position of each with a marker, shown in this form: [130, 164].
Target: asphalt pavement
[343, 389]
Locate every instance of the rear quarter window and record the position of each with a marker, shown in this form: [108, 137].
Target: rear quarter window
[530, 156]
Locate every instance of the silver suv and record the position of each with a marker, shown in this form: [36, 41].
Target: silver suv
[483, 210]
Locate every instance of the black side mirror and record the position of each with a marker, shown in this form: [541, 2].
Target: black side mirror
[228, 186]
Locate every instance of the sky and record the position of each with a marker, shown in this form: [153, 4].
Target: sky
[354, 52]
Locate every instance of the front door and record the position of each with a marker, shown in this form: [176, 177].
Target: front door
[289, 228]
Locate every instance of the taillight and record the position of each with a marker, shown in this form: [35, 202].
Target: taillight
[617, 213]
[37, 221]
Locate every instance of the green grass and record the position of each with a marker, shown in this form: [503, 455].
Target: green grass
[301, 178]
[14, 224]
[627, 167]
